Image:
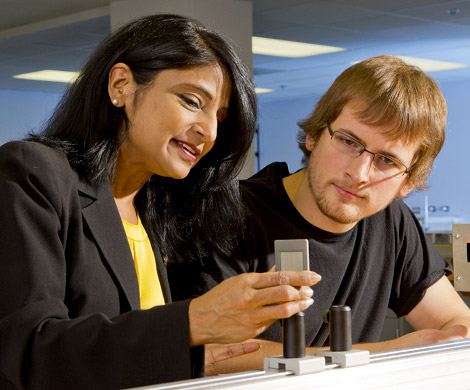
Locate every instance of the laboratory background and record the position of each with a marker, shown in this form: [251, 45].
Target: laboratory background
[54, 35]
[48, 40]
[44, 43]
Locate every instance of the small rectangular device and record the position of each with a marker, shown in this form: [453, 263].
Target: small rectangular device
[461, 256]
[291, 255]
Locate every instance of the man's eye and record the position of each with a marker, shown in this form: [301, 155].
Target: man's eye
[348, 141]
[387, 161]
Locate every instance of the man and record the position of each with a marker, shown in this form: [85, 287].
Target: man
[370, 141]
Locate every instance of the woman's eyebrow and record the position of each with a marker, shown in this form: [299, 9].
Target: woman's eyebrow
[198, 87]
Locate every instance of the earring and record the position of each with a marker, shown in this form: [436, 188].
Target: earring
[115, 102]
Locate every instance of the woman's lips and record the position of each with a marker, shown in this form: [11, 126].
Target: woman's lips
[190, 151]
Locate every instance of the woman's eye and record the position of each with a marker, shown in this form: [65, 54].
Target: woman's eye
[190, 102]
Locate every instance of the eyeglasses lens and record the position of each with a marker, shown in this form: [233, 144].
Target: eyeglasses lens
[384, 164]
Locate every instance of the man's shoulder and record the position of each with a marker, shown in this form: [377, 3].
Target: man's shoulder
[396, 209]
[268, 175]
[263, 194]
[396, 220]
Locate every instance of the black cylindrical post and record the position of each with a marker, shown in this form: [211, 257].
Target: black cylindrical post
[339, 319]
[293, 335]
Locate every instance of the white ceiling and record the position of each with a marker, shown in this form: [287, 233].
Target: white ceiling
[432, 29]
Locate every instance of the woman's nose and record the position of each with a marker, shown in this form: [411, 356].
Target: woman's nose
[208, 129]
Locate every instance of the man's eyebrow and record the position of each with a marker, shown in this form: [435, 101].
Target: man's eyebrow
[198, 87]
[352, 135]
[384, 152]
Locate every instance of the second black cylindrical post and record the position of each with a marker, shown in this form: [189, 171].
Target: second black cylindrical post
[339, 319]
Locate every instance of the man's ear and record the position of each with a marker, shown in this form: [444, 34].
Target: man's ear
[405, 190]
[309, 143]
[121, 85]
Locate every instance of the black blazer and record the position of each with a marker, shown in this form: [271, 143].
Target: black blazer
[69, 299]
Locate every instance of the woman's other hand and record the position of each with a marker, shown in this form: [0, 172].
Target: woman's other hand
[219, 352]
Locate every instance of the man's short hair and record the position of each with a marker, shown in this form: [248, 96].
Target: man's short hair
[390, 94]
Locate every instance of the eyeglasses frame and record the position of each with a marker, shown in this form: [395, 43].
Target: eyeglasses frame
[364, 149]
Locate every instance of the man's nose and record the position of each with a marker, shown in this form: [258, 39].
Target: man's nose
[360, 166]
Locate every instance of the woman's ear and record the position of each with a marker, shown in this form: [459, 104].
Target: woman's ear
[121, 85]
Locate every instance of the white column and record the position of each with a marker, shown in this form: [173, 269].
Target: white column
[232, 18]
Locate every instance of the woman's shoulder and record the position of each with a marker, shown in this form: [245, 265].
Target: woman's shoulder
[30, 151]
[31, 146]
[33, 157]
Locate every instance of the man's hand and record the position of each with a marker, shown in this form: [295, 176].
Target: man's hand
[219, 352]
[243, 306]
[419, 337]
[431, 336]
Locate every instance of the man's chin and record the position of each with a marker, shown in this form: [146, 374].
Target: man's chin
[345, 217]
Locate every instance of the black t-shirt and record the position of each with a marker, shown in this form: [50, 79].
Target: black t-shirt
[384, 261]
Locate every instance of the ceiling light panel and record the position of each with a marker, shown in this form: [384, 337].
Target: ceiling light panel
[432, 65]
[58, 76]
[282, 48]
[263, 90]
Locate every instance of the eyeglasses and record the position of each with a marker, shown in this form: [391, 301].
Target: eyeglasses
[386, 165]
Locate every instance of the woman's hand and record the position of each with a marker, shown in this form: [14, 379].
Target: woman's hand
[243, 306]
[219, 352]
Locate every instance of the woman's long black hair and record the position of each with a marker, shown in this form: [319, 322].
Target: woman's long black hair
[188, 218]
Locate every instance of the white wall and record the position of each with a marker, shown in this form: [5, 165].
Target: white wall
[22, 112]
[278, 129]
[449, 183]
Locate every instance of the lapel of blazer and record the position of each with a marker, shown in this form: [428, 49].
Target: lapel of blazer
[100, 213]
[162, 275]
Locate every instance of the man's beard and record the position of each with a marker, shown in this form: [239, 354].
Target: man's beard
[324, 204]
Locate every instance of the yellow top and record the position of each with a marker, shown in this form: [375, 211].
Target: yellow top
[144, 259]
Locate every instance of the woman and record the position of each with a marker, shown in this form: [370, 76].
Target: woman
[163, 98]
